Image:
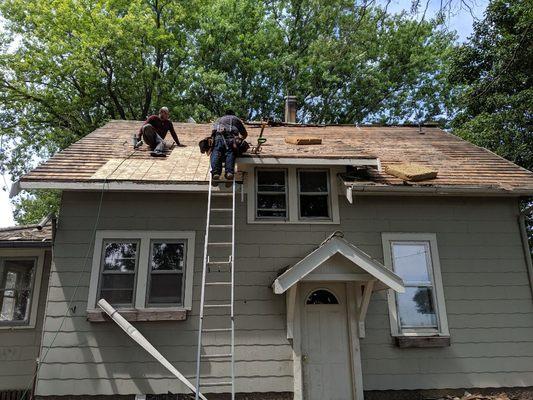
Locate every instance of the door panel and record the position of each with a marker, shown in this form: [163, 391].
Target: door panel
[325, 347]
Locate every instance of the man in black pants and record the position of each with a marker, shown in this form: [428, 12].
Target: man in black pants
[155, 129]
[226, 131]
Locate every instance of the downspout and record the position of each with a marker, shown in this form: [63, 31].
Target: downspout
[525, 244]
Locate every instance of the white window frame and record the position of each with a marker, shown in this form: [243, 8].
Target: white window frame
[38, 255]
[145, 239]
[435, 274]
[293, 211]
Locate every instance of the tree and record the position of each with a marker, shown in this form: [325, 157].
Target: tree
[67, 66]
[495, 70]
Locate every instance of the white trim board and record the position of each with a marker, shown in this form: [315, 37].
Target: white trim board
[337, 245]
[125, 186]
[358, 162]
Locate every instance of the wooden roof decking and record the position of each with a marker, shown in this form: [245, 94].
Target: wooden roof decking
[107, 154]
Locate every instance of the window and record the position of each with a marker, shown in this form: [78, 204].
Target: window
[167, 262]
[119, 266]
[293, 195]
[138, 270]
[322, 296]
[271, 191]
[421, 309]
[17, 277]
[313, 194]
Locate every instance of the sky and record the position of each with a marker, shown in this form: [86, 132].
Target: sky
[459, 19]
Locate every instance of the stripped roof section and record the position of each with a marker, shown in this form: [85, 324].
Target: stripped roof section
[106, 154]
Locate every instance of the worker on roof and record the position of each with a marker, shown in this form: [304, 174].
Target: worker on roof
[228, 134]
[155, 129]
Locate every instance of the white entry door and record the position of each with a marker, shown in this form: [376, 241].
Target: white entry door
[325, 347]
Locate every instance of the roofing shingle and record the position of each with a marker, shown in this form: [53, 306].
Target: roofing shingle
[106, 154]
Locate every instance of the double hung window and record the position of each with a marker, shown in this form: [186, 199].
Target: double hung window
[421, 309]
[292, 195]
[119, 265]
[143, 270]
[313, 194]
[17, 282]
[271, 190]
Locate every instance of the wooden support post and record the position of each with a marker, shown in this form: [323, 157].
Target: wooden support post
[291, 303]
[355, 348]
[362, 302]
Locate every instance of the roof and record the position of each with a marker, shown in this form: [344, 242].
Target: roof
[26, 236]
[106, 155]
[331, 247]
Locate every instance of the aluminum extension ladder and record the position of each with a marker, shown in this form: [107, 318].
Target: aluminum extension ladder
[228, 282]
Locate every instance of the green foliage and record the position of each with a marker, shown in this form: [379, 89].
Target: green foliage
[32, 207]
[495, 70]
[68, 66]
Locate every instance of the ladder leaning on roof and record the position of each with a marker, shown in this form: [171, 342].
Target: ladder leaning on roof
[228, 282]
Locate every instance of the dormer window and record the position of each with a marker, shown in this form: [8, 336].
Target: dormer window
[290, 194]
[313, 194]
[271, 194]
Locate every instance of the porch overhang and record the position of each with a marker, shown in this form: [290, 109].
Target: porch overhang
[366, 268]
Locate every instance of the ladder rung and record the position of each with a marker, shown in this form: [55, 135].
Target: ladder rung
[216, 305]
[216, 383]
[216, 355]
[217, 330]
[221, 209]
[219, 244]
[218, 283]
[219, 263]
[222, 194]
[220, 226]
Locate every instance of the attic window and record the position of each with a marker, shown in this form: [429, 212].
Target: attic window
[313, 194]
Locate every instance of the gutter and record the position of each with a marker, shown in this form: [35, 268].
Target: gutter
[525, 244]
[431, 190]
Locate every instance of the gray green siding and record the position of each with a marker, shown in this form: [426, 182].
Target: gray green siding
[489, 304]
[19, 347]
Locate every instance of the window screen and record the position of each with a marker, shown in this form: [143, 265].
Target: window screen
[16, 286]
[313, 193]
[271, 191]
[167, 266]
[119, 266]
[416, 307]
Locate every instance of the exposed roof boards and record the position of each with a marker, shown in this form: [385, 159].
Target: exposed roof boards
[462, 167]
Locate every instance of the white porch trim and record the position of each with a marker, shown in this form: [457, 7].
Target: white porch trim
[338, 245]
[359, 288]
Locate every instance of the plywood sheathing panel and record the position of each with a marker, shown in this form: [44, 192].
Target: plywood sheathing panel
[459, 163]
[411, 172]
[303, 140]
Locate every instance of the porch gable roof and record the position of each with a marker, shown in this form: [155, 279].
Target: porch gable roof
[337, 245]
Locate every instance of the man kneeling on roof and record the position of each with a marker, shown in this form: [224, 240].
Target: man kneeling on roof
[155, 129]
[228, 133]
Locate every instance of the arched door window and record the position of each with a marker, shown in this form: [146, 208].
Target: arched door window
[321, 296]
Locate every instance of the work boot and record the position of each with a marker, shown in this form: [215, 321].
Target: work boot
[229, 176]
[157, 154]
[214, 179]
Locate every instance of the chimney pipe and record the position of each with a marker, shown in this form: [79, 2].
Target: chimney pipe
[290, 109]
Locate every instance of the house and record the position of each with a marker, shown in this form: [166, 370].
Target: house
[25, 257]
[349, 281]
